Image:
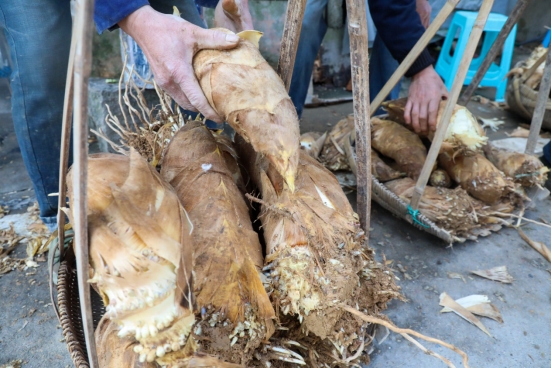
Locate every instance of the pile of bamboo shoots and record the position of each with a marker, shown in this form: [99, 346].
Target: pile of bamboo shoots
[474, 186]
[186, 279]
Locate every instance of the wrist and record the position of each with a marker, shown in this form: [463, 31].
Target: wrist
[137, 20]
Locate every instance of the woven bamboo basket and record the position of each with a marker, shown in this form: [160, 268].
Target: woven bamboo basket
[522, 99]
[70, 312]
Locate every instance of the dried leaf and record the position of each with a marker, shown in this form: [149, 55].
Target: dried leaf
[519, 132]
[13, 364]
[538, 246]
[480, 305]
[454, 275]
[496, 274]
[494, 124]
[446, 301]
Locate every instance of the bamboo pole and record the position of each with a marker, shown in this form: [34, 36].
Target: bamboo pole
[358, 36]
[475, 35]
[513, 18]
[290, 39]
[66, 121]
[540, 108]
[414, 53]
[82, 68]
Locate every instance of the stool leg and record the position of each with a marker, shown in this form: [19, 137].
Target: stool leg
[459, 52]
[505, 62]
[504, 32]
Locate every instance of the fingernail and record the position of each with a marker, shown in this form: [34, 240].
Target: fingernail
[232, 38]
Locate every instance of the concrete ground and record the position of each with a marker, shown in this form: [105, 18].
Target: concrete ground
[30, 332]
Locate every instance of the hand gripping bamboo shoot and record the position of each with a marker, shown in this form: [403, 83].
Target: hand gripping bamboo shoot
[314, 246]
[525, 169]
[477, 175]
[237, 313]
[395, 141]
[241, 86]
[140, 252]
[464, 132]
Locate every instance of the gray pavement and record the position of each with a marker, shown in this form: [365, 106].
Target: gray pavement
[29, 330]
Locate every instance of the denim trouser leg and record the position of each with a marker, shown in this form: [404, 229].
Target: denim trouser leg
[312, 32]
[39, 36]
[382, 66]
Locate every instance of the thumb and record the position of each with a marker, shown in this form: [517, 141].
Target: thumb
[218, 40]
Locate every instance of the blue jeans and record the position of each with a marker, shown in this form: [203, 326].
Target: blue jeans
[39, 36]
[382, 64]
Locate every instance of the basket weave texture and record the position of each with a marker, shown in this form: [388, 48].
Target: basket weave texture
[70, 313]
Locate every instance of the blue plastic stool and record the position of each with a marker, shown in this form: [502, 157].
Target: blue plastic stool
[447, 64]
[546, 40]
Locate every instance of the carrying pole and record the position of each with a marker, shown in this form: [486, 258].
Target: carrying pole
[290, 39]
[358, 36]
[540, 108]
[82, 68]
[442, 127]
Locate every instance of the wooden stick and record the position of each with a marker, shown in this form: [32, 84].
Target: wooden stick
[290, 39]
[513, 18]
[408, 331]
[64, 161]
[83, 63]
[475, 35]
[414, 53]
[358, 36]
[538, 114]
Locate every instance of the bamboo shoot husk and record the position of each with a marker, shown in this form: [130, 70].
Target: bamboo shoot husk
[227, 253]
[464, 132]
[333, 152]
[244, 89]
[524, 169]
[312, 143]
[314, 251]
[381, 170]
[395, 141]
[140, 253]
[477, 175]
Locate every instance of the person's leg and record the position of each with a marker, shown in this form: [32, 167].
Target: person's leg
[39, 36]
[382, 67]
[312, 32]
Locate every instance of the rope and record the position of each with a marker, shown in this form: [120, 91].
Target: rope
[414, 214]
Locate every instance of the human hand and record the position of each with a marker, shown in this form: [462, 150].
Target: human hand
[424, 96]
[424, 10]
[233, 15]
[170, 43]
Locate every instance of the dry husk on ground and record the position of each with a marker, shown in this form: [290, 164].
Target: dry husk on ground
[463, 133]
[315, 256]
[524, 169]
[236, 311]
